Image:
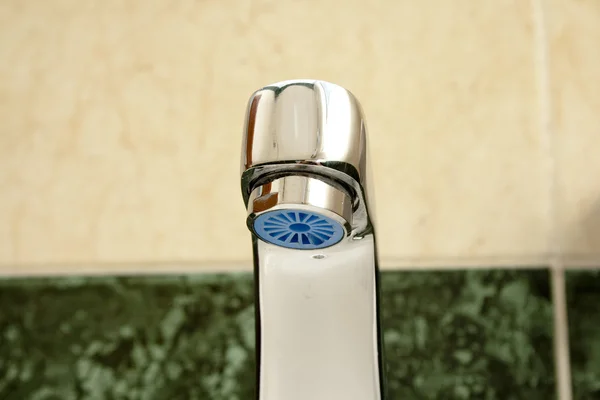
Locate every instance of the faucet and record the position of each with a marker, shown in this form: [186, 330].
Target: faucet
[305, 183]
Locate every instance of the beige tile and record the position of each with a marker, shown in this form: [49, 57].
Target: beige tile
[120, 122]
[461, 164]
[574, 38]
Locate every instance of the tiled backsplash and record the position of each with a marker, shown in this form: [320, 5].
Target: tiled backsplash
[120, 123]
[463, 334]
[119, 152]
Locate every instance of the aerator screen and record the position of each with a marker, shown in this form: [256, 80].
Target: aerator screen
[298, 229]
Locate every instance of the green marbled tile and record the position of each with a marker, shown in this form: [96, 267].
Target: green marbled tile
[583, 310]
[469, 335]
[127, 338]
[448, 335]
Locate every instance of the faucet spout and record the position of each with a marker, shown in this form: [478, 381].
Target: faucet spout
[305, 183]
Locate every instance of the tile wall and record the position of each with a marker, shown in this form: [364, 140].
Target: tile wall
[121, 123]
[456, 334]
[119, 151]
[464, 334]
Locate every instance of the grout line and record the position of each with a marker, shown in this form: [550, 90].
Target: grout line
[561, 334]
[476, 262]
[180, 267]
[554, 239]
[572, 261]
[127, 268]
[578, 261]
[547, 139]
[233, 266]
[568, 261]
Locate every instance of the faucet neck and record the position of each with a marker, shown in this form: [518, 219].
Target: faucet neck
[319, 335]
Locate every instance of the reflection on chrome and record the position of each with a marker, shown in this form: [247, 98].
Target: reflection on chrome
[305, 173]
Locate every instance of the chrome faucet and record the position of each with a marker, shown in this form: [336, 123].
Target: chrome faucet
[305, 183]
